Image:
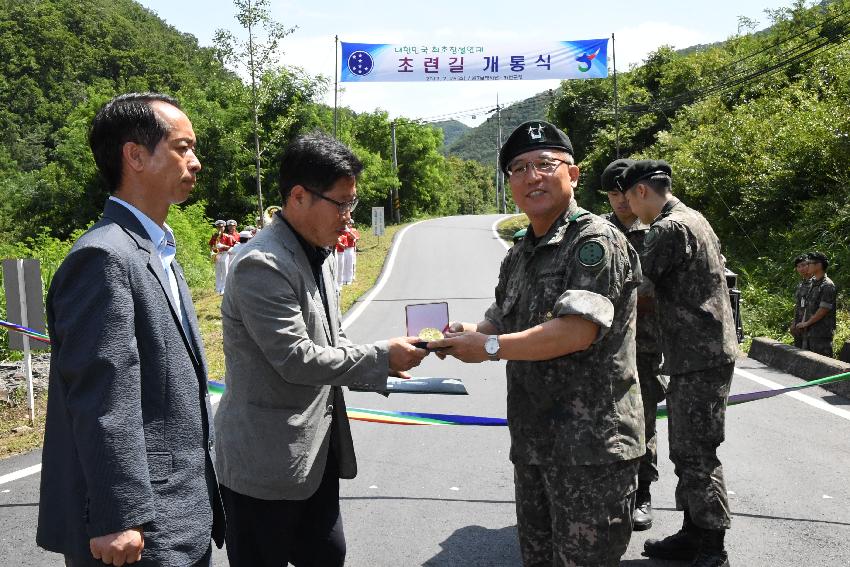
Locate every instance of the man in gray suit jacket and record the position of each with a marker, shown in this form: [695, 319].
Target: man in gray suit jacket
[127, 467]
[283, 434]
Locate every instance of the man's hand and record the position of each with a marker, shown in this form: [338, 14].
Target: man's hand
[403, 355]
[118, 548]
[454, 327]
[466, 346]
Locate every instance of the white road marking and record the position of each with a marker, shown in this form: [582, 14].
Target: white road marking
[35, 469]
[814, 402]
[496, 232]
[351, 317]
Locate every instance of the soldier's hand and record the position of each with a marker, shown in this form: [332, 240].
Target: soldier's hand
[118, 548]
[466, 346]
[403, 355]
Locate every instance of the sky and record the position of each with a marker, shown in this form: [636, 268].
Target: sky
[638, 28]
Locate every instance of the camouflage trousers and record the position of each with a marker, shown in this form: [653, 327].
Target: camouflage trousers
[652, 390]
[696, 403]
[574, 515]
[819, 345]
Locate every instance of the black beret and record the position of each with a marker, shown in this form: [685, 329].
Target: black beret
[643, 169]
[533, 135]
[611, 176]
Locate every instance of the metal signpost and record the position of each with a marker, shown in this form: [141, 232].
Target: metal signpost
[24, 303]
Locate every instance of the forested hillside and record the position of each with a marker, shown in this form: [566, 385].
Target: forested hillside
[60, 60]
[481, 143]
[757, 130]
[452, 130]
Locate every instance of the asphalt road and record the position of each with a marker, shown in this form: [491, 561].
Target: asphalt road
[443, 496]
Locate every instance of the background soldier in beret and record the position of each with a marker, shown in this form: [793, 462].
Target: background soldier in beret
[818, 325]
[652, 384]
[801, 264]
[564, 319]
[682, 257]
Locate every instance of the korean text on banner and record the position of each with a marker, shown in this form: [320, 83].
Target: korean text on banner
[382, 62]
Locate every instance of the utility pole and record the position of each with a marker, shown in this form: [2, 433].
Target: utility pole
[500, 177]
[616, 98]
[395, 204]
[336, 80]
[501, 200]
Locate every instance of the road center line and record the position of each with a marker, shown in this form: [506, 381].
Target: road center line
[814, 402]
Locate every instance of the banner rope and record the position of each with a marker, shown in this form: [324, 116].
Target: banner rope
[418, 418]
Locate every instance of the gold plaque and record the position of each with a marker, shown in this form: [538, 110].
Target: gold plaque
[429, 334]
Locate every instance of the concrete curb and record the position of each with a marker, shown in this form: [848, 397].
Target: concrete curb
[801, 363]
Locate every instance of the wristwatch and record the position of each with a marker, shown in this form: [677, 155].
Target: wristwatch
[491, 347]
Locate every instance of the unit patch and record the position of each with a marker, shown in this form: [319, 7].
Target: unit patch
[591, 253]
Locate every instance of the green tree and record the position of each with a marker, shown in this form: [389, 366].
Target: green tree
[257, 55]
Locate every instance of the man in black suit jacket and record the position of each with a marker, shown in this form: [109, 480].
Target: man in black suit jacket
[127, 473]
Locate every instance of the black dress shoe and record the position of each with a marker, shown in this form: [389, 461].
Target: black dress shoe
[642, 516]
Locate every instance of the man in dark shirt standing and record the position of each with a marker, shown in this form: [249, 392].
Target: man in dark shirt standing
[681, 256]
[652, 384]
[818, 324]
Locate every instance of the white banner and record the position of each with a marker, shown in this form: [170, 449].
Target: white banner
[381, 62]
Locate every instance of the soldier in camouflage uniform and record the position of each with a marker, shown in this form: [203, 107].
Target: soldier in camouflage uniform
[681, 256]
[653, 384]
[564, 319]
[818, 325]
[801, 264]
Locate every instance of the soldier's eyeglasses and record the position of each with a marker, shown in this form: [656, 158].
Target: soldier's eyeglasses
[543, 166]
[346, 207]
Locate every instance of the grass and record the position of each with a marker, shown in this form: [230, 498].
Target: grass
[17, 415]
[507, 228]
[371, 252]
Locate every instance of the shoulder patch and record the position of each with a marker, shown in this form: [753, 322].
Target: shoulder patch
[591, 253]
[651, 236]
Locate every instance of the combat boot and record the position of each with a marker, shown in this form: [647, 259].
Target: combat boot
[712, 552]
[681, 545]
[642, 514]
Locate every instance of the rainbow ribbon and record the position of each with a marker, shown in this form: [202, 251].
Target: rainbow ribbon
[25, 331]
[417, 418]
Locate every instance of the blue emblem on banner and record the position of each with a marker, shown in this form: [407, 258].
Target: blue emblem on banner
[360, 63]
[586, 59]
